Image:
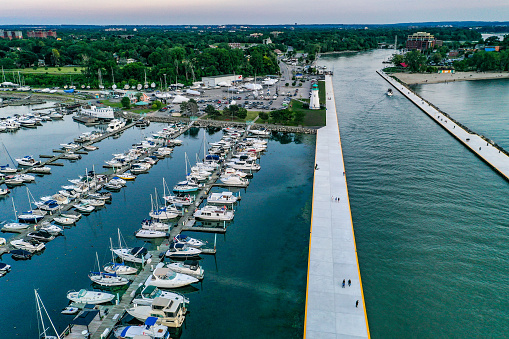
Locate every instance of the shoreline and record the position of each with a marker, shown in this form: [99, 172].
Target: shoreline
[435, 78]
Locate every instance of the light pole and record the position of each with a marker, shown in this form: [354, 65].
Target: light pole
[165, 87]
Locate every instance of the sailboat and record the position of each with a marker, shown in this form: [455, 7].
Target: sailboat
[163, 213]
[106, 279]
[43, 330]
[136, 254]
[119, 268]
[31, 216]
[188, 185]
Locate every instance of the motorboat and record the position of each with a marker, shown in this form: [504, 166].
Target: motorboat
[113, 187]
[189, 267]
[93, 202]
[90, 297]
[69, 146]
[104, 113]
[260, 132]
[177, 250]
[31, 216]
[115, 125]
[148, 330]
[214, 213]
[233, 180]
[28, 245]
[84, 208]
[149, 224]
[25, 177]
[64, 221]
[2, 241]
[4, 191]
[117, 181]
[140, 168]
[149, 293]
[41, 235]
[164, 277]
[186, 240]
[4, 268]
[69, 155]
[70, 310]
[15, 227]
[245, 165]
[389, 92]
[13, 181]
[7, 169]
[28, 161]
[90, 148]
[168, 312]
[71, 214]
[51, 229]
[19, 254]
[48, 205]
[150, 234]
[223, 198]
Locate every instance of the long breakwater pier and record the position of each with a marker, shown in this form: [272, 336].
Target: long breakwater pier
[335, 305]
[492, 154]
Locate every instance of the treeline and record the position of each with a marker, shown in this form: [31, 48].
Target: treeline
[185, 55]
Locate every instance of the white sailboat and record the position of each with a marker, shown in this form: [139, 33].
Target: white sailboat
[119, 268]
[106, 279]
[43, 330]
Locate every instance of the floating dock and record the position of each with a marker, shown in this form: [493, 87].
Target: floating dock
[331, 310]
[495, 156]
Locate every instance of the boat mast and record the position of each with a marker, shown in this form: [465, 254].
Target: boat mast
[14, 208]
[40, 307]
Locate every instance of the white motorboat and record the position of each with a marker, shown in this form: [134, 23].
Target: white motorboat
[169, 312]
[4, 267]
[7, 170]
[389, 92]
[186, 186]
[15, 227]
[136, 255]
[71, 214]
[89, 297]
[260, 133]
[233, 180]
[84, 208]
[90, 148]
[186, 240]
[214, 213]
[13, 181]
[51, 229]
[2, 241]
[245, 165]
[115, 125]
[69, 155]
[223, 198]
[25, 177]
[28, 245]
[150, 234]
[120, 269]
[186, 200]
[28, 161]
[164, 213]
[177, 250]
[164, 277]
[93, 202]
[69, 146]
[64, 221]
[149, 293]
[4, 191]
[148, 330]
[107, 279]
[189, 267]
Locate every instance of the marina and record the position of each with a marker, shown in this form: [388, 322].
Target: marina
[188, 223]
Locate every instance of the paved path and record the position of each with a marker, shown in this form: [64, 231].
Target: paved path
[493, 156]
[331, 310]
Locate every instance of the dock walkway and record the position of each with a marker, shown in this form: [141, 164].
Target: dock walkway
[487, 150]
[331, 310]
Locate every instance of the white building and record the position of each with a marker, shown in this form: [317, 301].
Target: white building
[215, 80]
[314, 102]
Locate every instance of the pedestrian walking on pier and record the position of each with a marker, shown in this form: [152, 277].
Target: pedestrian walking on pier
[349, 282]
[343, 283]
[357, 303]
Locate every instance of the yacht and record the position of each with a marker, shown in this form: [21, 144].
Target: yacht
[148, 330]
[150, 234]
[164, 213]
[89, 297]
[214, 213]
[96, 112]
[28, 245]
[115, 125]
[164, 277]
[186, 186]
[149, 293]
[177, 251]
[39, 169]
[7, 170]
[148, 224]
[28, 161]
[186, 200]
[186, 240]
[234, 180]
[15, 227]
[189, 267]
[224, 198]
[120, 268]
[168, 312]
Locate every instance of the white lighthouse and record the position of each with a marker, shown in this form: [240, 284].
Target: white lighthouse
[314, 102]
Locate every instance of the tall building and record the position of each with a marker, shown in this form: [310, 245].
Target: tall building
[41, 34]
[11, 34]
[420, 41]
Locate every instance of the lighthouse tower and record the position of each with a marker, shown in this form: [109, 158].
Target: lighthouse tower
[314, 102]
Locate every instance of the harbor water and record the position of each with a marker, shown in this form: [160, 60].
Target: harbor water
[430, 219]
[254, 286]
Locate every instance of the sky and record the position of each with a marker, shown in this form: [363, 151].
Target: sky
[261, 12]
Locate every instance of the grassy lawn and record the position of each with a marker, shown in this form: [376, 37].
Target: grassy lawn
[110, 103]
[50, 70]
[313, 117]
[321, 92]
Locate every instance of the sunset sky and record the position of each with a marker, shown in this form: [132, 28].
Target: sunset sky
[171, 12]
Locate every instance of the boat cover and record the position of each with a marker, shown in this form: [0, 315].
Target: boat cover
[151, 321]
[85, 318]
[139, 250]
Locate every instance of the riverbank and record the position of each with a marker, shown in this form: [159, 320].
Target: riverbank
[434, 78]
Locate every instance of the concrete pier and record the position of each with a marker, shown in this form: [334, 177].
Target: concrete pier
[487, 150]
[332, 311]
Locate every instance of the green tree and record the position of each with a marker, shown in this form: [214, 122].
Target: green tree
[158, 104]
[126, 102]
[415, 60]
[212, 112]
[397, 59]
[263, 116]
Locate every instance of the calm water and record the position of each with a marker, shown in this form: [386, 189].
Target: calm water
[254, 286]
[430, 218]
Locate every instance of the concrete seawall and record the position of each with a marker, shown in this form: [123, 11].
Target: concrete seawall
[334, 297]
[495, 156]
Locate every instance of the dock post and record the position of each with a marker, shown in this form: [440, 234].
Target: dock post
[215, 241]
